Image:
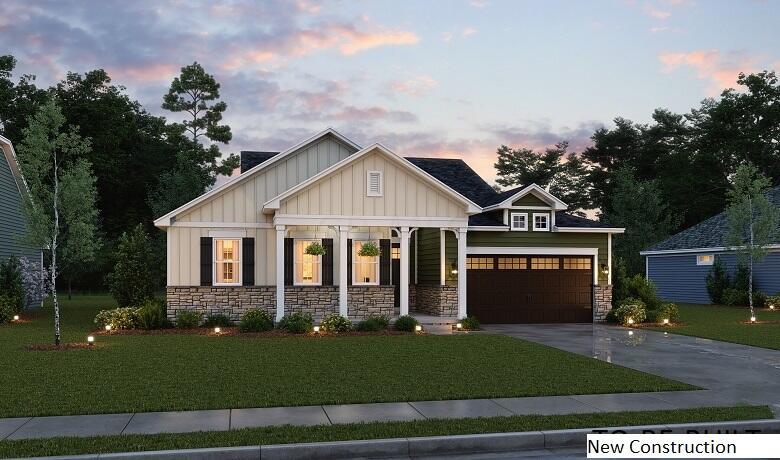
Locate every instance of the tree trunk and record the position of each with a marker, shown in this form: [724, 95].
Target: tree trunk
[54, 255]
[750, 255]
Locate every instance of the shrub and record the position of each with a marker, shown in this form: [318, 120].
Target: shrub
[217, 320]
[336, 323]
[665, 311]
[188, 319]
[374, 323]
[717, 281]
[759, 299]
[741, 278]
[619, 280]
[611, 315]
[297, 323]
[470, 323]
[153, 315]
[638, 287]
[119, 318]
[11, 283]
[732, 296]
[631, 308]
[773, 301]
[6, 308]
[132, 282]
[406, 323]
[256, 320]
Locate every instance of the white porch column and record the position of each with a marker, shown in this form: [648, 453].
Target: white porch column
[279, 272]
[343, 234]
[609, 259]
[462, 272]
[404, 281]
[442, 247]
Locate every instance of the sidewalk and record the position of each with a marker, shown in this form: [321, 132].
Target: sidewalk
[233, 419]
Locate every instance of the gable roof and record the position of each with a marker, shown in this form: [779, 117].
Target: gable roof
[458, 176]
[709, 234]
[250, 159]
[10, 157]
[165, 221]
[472, 208]
[505, 199]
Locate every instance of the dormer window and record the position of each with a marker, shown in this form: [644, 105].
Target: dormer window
[374, 186]
[519, 221]
[541, 222]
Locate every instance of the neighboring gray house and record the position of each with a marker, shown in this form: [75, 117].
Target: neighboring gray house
[678, 266]
[13, 190]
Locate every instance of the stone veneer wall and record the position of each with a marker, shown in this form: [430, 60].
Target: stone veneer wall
[435, 299]
[363, 301]
[602, 302]
[317, 300]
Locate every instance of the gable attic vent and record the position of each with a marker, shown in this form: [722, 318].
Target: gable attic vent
[374, 183]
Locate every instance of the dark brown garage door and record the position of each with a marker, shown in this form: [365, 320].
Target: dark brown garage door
[530, 289]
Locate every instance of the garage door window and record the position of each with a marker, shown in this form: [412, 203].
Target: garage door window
[511, 263]
[576, 263]
[545, 263]
[479, 263]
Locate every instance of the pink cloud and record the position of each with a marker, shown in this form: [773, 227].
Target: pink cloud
[469, 31]
[354, 41]
[150, 73]
[720, 68]
[655, 12]
[416, 86]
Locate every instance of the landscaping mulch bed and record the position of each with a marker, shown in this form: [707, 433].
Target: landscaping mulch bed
[235, 332]
[62, 346]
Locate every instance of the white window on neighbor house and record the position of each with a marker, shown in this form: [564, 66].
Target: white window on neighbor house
[705, 259]
[227, 262]
[374, 185]
[307, 268]
[541, 222]
[365, 269]
[519, 221]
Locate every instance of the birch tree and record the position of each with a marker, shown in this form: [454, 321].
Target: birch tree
[752, 220]
[61, 214]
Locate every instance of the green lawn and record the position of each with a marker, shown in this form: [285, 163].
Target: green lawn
[290, 434]
[725, 323]
[138, 373]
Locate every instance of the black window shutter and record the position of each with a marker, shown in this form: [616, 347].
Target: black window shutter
[384, 262]
[327, 262]
[248, 261]
[288, 261]
[349, 262]
[206, 260]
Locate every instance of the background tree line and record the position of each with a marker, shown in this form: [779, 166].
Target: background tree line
[658, 178]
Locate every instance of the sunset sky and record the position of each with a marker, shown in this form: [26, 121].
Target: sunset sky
[452, 78]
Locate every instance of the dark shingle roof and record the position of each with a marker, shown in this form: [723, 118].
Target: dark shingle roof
[506, 194]
[458, 176]
[708, 234]
[487, 219]
[567, 220]
[250, 159]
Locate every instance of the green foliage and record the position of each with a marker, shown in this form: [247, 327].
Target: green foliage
[119, 318]
[18, 101]
[131, 282]
[187, 319]
[470, 323]
[368, 249]
[735, 297]
[11, 283]
[256, 320]
[297, 323]
[759, 299]
[619, 280]
[717, 281]
[335, 323]
[7, 308]
[664, 311]
[315, 249]
[374, 323]
[153, 315]
[640, 288]
[406, 323]
[773, 301]
[217, 321]
[630, 308]
[741, 278]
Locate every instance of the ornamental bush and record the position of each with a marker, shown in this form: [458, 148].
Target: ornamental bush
[297, 323]
[470, 323]
[735, 297]
[406, 323]
[374, 323]
[6, 308]
[188, 319]
[11, 283]
[217, 321]
[132, 283]
[153, 315]
[665, 311]
[638, 287]
[119, 318]
[773, 301]
[256, 320]
[335, 323]
[631, 308]
[717, 281]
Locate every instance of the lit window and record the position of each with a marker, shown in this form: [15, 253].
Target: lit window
[396, 253]
[705, 259]
[307, 268]
[227, 261]
[365, 269]
[479, 263]
[576, 263]
[519, 222]
[511, 263]
[374, 183]
[545, 263]
[541, 222]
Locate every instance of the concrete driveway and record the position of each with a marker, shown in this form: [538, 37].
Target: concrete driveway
[731, 371]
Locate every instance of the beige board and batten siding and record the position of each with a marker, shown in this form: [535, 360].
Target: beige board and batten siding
[343, 193]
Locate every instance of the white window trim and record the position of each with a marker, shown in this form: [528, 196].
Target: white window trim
[546, 222]
[699, 256]
[295, 262]
[378, 262]
[381, 183]
[512, 222]
[214, 260]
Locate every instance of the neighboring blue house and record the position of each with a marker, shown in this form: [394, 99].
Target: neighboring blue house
[13, 190]
[679, 265]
